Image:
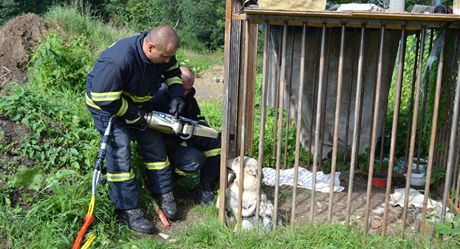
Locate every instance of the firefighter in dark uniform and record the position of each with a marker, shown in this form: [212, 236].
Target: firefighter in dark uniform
[196, 153]
[122, 84]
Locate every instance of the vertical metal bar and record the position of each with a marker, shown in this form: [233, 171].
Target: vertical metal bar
[411, 101]
[243, 121]
[413, 128]
[318, 121]
[434, 127]
[225, 121]
[358, 99]
[450, 160]
[457, 189]
[263, 112]
[298, 124]
[375, 124]
[313, 96]
[424, 100]
[394, 127]
[280, 124]
[288, 105]
[337, 122]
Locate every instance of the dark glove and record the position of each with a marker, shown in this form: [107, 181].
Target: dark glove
[176, 105]
[139, 123]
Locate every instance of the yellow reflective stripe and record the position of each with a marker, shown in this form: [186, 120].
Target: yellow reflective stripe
[123, 108]
[106, 96]
[172, 67]
[180, 172]
[91, 103]
[120, 177]
[137, 98]
[213, 152]
[173, 80]
[157, 165]
[133, 121]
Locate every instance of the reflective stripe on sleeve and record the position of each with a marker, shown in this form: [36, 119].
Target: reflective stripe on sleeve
[123, 108]
[105, 96]
[211, 153]
[173, 80]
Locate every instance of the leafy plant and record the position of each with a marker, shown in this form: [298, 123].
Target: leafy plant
[61, 64]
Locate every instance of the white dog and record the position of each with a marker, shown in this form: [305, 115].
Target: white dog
[249, 199]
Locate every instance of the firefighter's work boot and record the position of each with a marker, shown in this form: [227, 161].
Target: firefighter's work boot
[168, 205]
[204, 196]
[135, 220]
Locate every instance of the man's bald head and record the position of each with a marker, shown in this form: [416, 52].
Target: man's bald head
[164, 36]
[188, 78]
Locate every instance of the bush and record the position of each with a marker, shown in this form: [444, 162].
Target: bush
[61, 64]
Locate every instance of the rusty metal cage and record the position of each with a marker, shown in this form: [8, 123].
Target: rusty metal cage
[357, 47]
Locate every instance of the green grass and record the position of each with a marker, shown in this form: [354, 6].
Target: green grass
[72, 22]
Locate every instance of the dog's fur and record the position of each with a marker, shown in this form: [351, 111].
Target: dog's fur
[249, 200]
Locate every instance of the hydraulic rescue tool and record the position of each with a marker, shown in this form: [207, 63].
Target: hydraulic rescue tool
[166, 123]
[183, 127]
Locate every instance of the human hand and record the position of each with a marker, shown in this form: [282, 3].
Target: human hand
[176, 105]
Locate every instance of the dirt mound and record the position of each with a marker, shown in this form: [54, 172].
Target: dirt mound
[18, 39]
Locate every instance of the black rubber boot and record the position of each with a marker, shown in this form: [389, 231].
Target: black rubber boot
[135, 220]
[204, 194]
[168, 205]
[204, 197]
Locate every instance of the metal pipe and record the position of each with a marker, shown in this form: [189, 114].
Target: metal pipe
[263, 112]
[434, 126]
[452, 148]
[374, 128]
[243, 121]
[394, 127]
[358, 99]
[318, 120]
[424, 99]
[413, 128]
[298, 124]
[336, 123]
[411, 100]
[280, 124]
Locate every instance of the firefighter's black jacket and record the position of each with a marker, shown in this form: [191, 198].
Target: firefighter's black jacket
[124, 80]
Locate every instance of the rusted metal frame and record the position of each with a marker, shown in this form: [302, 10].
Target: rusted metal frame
[316, 21]
[414, 128]
[288, 104]
[424, 100]
[411, 100]
[394, 127]
[434, 126]
[243, 121]
[280, 124]
[318, 120]
[452, 149]
[375, 124]
[358, 100]
[336, 122]
[263, 116]
[298, 124]
[225, 138]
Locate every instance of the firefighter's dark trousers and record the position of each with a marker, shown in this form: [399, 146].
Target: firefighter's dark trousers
[120, 176]
[197, 153]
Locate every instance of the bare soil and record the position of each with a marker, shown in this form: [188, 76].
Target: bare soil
[18, 39]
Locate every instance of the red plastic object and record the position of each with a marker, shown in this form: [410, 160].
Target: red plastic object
[379, 182]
